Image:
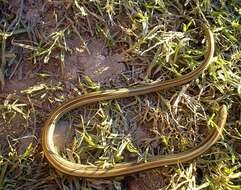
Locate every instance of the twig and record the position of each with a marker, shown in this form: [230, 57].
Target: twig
[23, 99]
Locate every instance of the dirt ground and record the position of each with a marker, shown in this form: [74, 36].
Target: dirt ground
[52, 51]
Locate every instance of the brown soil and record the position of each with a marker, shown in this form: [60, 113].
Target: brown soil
[63, 135]
[147, 181]
[96, 63]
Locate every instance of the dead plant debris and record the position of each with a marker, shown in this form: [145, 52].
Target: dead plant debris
[52, 51]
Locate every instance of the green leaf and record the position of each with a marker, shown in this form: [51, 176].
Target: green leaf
[26, 151]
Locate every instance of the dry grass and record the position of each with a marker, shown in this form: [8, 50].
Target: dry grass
[45, 54]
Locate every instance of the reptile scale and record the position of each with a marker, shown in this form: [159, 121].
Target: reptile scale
[125, 168]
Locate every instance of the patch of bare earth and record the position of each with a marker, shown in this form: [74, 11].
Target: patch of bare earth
[21, 76]
[63, 135]
[96, 63]
[146, 181]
